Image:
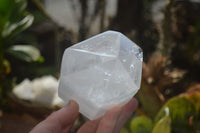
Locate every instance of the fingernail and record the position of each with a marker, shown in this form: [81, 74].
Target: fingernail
[72, 103]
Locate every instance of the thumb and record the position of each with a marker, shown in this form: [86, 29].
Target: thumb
[59, 120]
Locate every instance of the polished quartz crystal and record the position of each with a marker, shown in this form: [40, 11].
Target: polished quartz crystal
[101, 72]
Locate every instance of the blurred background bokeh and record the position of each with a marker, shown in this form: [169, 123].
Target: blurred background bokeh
[35, 33]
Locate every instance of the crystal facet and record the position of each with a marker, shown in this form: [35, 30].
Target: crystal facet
[101, 72]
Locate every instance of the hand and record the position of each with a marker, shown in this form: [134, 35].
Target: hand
[62, 120]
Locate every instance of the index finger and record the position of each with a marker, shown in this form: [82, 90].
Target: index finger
[59, 120]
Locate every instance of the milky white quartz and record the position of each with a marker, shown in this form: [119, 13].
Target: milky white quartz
[41, 90]
[101, 72]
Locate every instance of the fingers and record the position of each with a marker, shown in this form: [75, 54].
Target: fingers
[90, 126]
[126, 113]
[59, 120]
[63, 119]
[107, 123]
[112, 121]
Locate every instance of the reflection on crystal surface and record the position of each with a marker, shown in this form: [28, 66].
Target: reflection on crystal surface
[101, 72]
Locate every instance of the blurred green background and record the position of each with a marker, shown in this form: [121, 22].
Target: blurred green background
[35, 33]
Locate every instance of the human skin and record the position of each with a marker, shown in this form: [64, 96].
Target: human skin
[62, 120]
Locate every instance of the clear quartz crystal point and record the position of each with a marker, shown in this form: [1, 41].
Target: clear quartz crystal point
[101, 72]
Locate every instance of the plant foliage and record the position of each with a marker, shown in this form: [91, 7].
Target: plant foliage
[14, 19]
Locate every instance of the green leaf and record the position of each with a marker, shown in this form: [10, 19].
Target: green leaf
[40, 59]
[124, 130]
[5, 9]
[181, 110]
[193, 94]
[25, 52]
[148, 97]
[14, 18]
[15, 28]
[18, 10]
[4, 5]
[163, 125]
[11, 11]
[20, 5]
[141, 124]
